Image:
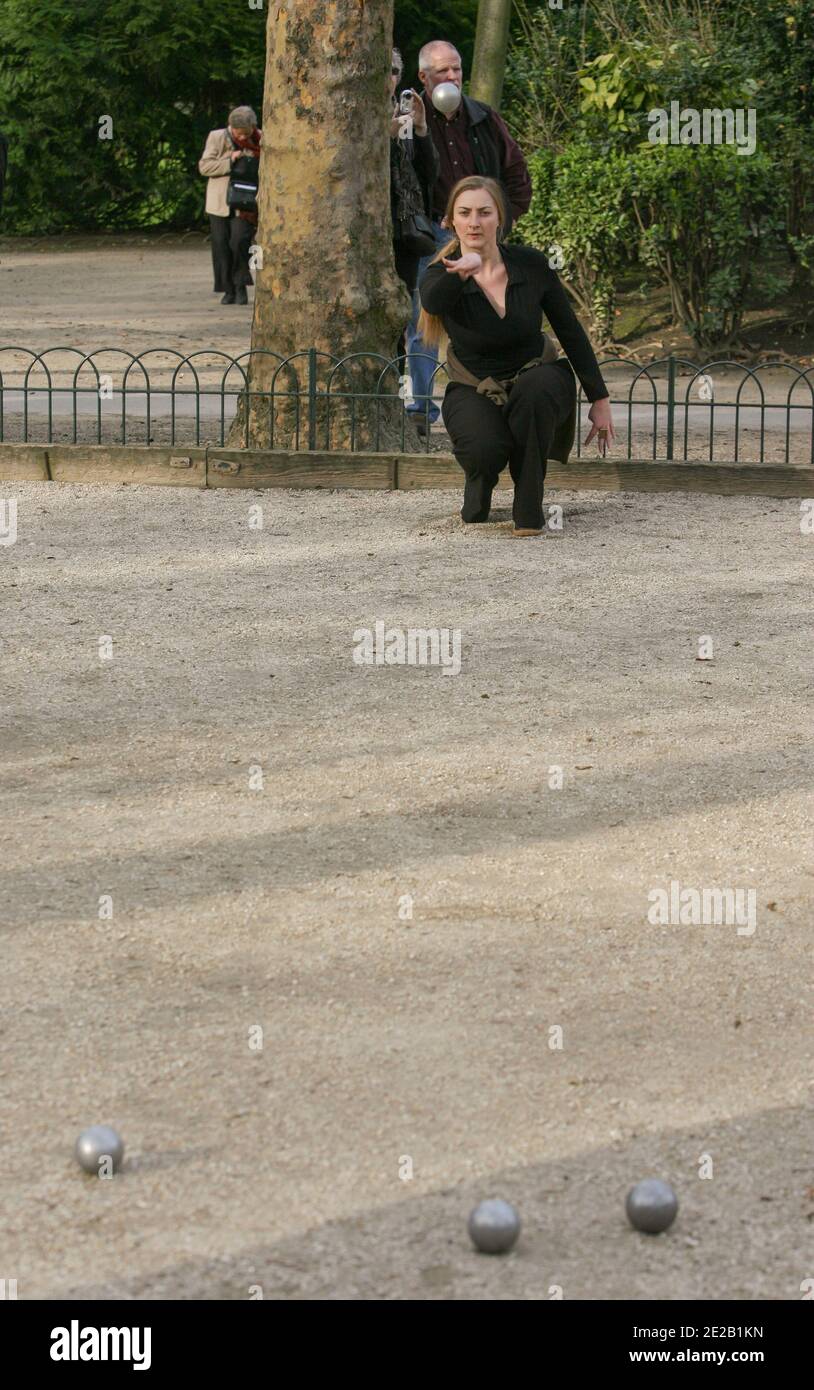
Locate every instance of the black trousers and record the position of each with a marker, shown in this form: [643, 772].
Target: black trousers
[485, 437]
[231, 238]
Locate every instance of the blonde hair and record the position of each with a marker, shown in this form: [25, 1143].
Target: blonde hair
[430, 326]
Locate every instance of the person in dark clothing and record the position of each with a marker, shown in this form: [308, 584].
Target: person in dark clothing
[413, 170]
[473, 139]
[510, 398]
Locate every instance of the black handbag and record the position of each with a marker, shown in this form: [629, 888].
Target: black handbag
[415, 235]
[241, 193]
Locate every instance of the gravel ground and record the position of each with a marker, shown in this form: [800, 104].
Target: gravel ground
[126, 292]
[388, 1038]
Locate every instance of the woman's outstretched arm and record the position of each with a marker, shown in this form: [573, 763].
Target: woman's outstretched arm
[439, 289]
[576, 344]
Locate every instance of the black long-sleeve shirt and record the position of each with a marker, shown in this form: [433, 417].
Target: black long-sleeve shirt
[488, 345]
[413, 170]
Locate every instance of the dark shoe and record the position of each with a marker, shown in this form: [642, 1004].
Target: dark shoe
[422, 421]
[228, 299]
[241, 296]
[477, 500]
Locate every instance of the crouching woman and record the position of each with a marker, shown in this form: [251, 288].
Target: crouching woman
[510, 398]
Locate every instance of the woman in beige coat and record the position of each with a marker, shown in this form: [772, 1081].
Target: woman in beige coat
[232, 229]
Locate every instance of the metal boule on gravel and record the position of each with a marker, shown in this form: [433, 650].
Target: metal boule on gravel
[97, 1143]
[494, 1226]
[446, 98]
[651, 1206]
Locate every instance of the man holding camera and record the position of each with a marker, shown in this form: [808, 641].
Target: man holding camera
[230, 162]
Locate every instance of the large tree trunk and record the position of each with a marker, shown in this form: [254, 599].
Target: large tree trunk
[328, 280]
[491, 43]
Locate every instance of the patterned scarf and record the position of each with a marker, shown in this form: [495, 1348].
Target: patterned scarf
[250, 142]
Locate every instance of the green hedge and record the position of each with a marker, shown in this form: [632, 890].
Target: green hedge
[710, 222]
[581, 214]
[588, 78]
[704, 219]
[164, 71]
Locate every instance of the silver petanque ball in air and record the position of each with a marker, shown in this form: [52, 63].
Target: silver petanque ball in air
[446, 98]
[96, 1143]
[651, 1206]
[494, 1226]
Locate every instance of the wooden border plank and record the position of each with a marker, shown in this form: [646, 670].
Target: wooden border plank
[250, 468]
[186, 466]
[24, 463]
[178, 465]
[651, 475]
[629, 475]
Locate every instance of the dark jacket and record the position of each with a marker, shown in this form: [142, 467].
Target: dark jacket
[414, 167]
[495, 154]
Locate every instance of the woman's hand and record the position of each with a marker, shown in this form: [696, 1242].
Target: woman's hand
[465, 266]
[601, 425]
[395, 126]
[419, 114]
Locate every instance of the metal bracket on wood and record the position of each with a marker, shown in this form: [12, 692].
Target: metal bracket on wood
[184, 462]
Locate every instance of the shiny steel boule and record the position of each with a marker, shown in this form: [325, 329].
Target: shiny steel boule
[96, 1143]
[651, 1206]
[494, 1226]
[446, 98]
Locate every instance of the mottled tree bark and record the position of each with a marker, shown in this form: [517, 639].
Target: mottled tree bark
[328, 279]
[491, 44]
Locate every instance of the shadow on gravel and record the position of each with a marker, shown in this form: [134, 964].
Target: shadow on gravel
[395, 841]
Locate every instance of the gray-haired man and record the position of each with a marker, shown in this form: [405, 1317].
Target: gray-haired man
[232, 228]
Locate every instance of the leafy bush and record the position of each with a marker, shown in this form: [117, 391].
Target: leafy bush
[702, 217]
[620, 87]
[708, 220]
[616, 87]
[776, 37]
[541, 92]
[164, 71]
[581, 205]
